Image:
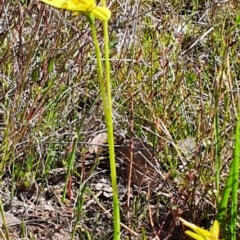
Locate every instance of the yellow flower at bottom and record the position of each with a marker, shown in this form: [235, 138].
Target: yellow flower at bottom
[102, 13]
[200, 233]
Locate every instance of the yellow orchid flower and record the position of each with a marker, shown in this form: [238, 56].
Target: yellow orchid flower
[88, 6]
[200, 233]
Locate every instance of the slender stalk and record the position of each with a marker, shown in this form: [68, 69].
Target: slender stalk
[235, 177]
[99, 68]
[71, 160]
[225, 196]
[107, 106]
[217, 150]
[116, 211]
[232, 184]
[4, 221]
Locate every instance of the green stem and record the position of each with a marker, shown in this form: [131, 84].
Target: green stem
[99, 67]
[217, 152]
[4, 221]
[235, 167]
[111, 139]
[107, 106]
[232, 184]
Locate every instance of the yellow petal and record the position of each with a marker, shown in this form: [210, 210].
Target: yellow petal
[204, 233]
[82, 5]
[72, 5]
[194, 235]
[101, 13]
[188, 224]
[55, 3]
[200, 231]
[215, 230]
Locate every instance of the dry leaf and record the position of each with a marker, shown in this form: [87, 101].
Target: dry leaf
[97, 142]
[186, 145]
[143, 172]
[10, 219]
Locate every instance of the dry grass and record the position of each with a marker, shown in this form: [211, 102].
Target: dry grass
[175, 61]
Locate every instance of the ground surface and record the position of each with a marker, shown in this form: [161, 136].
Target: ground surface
[175, 74]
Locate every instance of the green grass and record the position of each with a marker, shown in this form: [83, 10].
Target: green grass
[181, 65]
